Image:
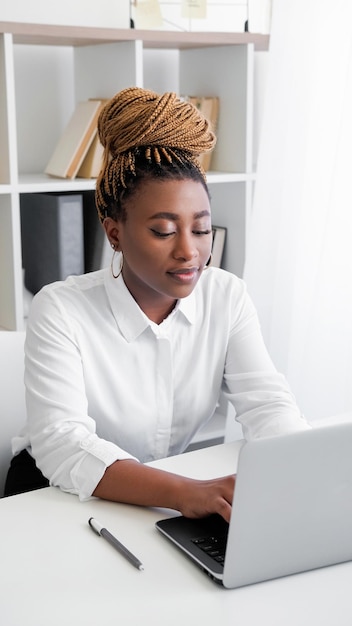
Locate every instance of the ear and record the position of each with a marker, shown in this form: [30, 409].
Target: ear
[111, 228]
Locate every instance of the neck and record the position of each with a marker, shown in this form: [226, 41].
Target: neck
[157, 313]
[156, 306]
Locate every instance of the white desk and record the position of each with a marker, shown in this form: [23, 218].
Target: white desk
[56, 572]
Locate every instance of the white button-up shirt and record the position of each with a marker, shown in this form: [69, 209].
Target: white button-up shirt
[104, 383]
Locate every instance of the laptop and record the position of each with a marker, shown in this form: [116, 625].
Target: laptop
[291, 512]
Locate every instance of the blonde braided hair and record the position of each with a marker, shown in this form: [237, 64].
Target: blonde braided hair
[147, 134]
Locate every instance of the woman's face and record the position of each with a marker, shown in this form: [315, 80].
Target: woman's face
[166, 239]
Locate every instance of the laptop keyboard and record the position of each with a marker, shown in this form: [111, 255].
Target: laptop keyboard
[214, 546]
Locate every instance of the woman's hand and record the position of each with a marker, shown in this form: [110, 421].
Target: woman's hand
[204, 497]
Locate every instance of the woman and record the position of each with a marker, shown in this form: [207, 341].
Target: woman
[124, 365]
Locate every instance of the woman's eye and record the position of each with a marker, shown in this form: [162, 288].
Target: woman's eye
[160, 234]
[163, 235]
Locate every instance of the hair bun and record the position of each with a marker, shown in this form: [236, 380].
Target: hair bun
[137, 117]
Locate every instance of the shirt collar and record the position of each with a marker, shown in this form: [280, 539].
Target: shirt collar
[187, 306]
[129, 317]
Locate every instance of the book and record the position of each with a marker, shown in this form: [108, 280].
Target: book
[209, 107]
[52, 237]
[93, 160]
[217, 251]
[75, 141]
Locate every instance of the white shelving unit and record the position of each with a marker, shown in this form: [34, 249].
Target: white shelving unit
[46, 69]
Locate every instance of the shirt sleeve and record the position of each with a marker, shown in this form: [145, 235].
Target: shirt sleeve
[61, 434]
[263, 401]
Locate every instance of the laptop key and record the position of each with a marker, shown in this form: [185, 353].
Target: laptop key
[213, 546]
[220, 558]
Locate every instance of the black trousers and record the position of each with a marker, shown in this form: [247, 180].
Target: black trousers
[23, 475]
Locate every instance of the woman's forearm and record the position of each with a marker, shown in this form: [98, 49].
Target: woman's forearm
[134, 483]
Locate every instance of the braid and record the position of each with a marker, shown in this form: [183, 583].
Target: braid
[147, 135]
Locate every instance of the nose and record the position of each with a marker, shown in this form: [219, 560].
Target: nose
[185, 247]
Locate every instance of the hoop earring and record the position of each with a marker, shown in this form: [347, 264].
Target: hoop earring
[208, 263]
[112, 265]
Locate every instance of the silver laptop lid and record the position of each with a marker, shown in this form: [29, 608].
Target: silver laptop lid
[292, 508]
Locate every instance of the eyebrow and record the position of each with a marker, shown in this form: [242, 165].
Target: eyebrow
[166, 215]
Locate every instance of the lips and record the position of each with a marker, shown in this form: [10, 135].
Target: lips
[184, 274]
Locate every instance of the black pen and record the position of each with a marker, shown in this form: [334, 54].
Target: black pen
[103, 532]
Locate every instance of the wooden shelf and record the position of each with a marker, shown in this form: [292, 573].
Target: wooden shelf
[48, 34]
[33, 183]
[41, 183]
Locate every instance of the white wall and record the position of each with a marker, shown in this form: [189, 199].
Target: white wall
[105, 13]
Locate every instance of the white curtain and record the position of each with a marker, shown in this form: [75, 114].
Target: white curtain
[299, 254]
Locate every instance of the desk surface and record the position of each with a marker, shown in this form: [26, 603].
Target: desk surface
[56, 572]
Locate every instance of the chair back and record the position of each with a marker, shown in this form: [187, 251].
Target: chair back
[12, 395]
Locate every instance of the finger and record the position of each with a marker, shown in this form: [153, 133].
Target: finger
[225, 510]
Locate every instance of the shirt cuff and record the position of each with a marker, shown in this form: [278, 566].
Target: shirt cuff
[99, 454]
